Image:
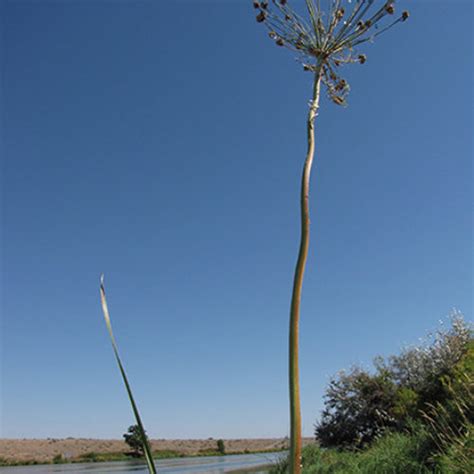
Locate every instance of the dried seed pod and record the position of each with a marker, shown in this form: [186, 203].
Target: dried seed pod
[314, 52]
[256, 4]
[283, 2]
[389, 8]
[272, 34]
[405, 15]
[341, 85]
[339, 13]
[362, 58]
[338, 100]
[264, 5]
[261, 17]
[280, 42]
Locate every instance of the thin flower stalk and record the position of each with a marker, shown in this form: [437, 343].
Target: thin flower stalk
[324, 41]
[295, 409]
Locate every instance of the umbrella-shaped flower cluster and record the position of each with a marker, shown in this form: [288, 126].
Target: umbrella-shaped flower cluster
[331, 35]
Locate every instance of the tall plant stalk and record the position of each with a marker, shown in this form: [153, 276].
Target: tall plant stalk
[295, 408]
[143, 436]
[323, 44]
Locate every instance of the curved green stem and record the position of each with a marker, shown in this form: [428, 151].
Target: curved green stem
[295, 410]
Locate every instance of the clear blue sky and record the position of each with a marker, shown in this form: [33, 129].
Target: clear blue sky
[161, 142]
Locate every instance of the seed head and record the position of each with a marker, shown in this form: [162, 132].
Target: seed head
[329, 38]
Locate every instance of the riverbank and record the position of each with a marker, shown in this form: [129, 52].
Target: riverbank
[15, 452]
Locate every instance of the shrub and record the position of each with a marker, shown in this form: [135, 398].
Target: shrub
[360, 406]
[420, 368]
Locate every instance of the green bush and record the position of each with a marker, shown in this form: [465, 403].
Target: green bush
[413, 414]
[360, 406]
[406, 405]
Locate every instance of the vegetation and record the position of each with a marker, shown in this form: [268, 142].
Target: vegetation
[360, 406]
[413, 414]
[106, 457]
[121, 456]
[58, 459]
[450, 420]
[27, 462]
[323, 43]
[220, 446]
[133, 437]
[141, 430]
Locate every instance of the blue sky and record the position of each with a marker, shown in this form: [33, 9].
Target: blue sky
[162, 143]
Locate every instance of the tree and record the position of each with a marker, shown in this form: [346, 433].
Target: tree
[324, 41]
[134, 439]
[220, 446]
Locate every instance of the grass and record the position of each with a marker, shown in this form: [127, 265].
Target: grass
[27, 462]
[395, 453]
[121, 456]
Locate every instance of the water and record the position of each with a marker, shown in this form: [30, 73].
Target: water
[201, 465]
